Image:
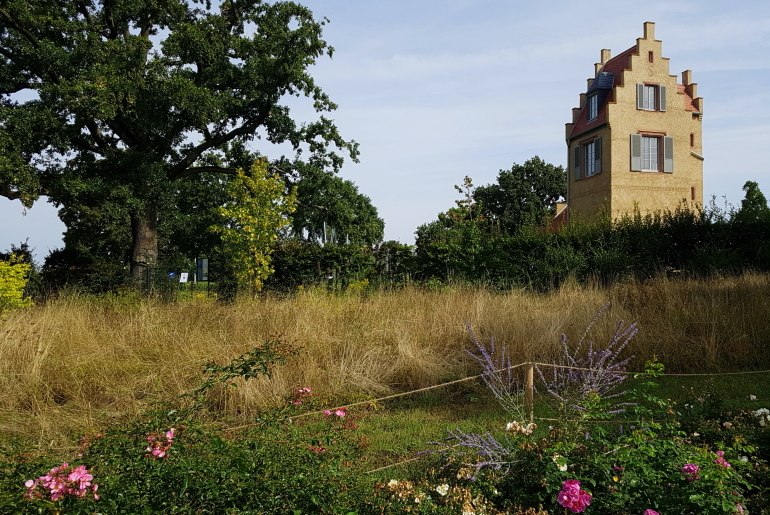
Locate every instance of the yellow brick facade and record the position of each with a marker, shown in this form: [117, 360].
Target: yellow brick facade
[637, 143]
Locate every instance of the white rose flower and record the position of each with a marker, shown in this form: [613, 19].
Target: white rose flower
[442, 489]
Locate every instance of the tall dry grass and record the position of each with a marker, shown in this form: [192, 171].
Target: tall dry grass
[68, 365]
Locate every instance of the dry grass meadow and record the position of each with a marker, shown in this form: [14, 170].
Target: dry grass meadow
[72, 363]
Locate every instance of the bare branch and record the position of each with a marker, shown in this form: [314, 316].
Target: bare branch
[206, 169]
[247, 128]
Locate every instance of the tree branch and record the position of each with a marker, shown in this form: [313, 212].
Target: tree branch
[146, 28]
[96, 133]
[110, 24]
[15, 88]
[204, 169]
[82, 9]
[16, 195]
[247, 128]
[13, 23]
[8, 55]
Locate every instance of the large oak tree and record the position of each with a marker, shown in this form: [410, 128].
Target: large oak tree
[121, 99]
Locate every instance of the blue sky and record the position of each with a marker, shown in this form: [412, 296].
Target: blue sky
[434, 91]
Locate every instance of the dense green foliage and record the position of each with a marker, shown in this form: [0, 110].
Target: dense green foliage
[681, 241]
[522, 196]
[126, 99]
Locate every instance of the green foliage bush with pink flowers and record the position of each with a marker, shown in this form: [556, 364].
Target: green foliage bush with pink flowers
[618, 453]
[168, 462]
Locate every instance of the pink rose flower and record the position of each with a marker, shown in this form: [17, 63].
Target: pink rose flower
[573, 497]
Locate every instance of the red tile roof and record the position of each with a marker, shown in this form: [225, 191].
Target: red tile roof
[688, 105]
[615, 65]
[620, 62]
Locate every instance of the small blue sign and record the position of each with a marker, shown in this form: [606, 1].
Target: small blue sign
[171, 275]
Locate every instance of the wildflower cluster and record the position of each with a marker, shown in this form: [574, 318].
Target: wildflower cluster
[690, 471]
[721, 461]
[559, 461]
[300, 394]
[158, 445]
[516, 427]
[62, 481]
[339, 412]
[763, 415]
[572, 497]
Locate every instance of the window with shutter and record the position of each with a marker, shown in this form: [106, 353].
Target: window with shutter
[650, 97]
[652, 153]
[593, 153]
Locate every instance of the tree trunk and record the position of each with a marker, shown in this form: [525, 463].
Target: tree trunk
[144, 256]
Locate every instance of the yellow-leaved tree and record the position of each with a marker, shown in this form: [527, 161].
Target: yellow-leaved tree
[259, 209]
[13, 280]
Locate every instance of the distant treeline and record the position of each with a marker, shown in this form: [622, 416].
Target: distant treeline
[478, 251]
[679, 242]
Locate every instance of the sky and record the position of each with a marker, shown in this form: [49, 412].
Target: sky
[434, 91]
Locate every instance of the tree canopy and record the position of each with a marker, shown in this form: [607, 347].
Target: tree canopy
[123, 99]
[754, 205]
[522, 195]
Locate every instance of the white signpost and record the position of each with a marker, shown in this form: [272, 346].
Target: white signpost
[183, 277]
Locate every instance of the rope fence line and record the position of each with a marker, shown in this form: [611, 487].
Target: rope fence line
[528, 391]
[405, 461]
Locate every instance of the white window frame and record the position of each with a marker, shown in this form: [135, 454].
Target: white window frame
[650, 153]
[593, 106]
[590, 154]
[651, 97]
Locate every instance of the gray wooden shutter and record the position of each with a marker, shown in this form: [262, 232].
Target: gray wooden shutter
[636, 152]
[640, 96]
[662, 92]
[576, 163]
[598, 155]
[668, 154]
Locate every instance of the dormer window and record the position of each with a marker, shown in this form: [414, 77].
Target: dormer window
[650, 97]
[593, 107]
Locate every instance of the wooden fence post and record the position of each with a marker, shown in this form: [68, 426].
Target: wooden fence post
[530, 391]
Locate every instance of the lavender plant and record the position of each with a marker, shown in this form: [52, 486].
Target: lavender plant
[490, 453]
[585, 382]
[499, 376]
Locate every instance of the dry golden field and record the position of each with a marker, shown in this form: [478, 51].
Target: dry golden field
[74, 362]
